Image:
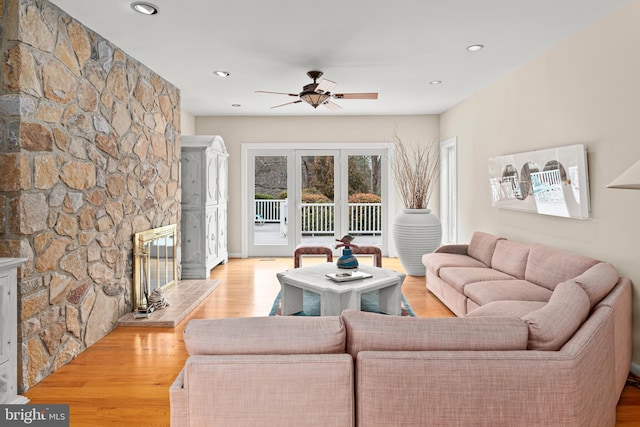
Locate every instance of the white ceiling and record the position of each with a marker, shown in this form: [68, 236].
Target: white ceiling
[394, 47]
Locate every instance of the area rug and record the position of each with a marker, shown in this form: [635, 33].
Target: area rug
[368, 302]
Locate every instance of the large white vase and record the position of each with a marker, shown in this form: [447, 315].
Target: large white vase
[416, 232]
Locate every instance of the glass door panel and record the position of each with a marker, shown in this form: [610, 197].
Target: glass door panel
[270, 225]
[316, 199]
[364, 208]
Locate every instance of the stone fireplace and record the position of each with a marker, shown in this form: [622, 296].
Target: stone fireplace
[90, 155]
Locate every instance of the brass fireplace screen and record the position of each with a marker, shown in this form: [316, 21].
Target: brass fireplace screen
[155, 264]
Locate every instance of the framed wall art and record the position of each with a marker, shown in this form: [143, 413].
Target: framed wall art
[553, 181]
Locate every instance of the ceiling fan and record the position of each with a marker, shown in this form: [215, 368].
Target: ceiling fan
[319, 93]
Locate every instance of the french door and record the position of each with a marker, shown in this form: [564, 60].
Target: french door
[314, 195]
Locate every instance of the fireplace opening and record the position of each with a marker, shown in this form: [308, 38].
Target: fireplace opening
[155, 265]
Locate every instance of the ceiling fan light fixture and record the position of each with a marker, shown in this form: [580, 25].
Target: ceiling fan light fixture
[318, 93]
[144, 8]
[314, 99]
[435, 82]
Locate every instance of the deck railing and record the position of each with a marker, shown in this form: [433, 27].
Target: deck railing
[318, 218]
[269, 210]
[365, 218]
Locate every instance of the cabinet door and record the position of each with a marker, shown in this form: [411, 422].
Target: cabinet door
[192, 178]
[212, 179]
[7, 321]
[212, 234]
[222, 231]
[222, 178]
[192, 237]
[5, 317]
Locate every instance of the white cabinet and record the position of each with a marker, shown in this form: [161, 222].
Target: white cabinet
[204, 205]
[9, 331]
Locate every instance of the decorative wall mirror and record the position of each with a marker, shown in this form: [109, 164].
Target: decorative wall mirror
[155, 263]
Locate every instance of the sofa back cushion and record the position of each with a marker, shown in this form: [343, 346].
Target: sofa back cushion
[549, 266]
[378, 332]
[265, 335]
[552, 325]
[598, 281]
[482, 245]
[510, 257]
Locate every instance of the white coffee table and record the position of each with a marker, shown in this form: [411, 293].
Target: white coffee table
[338, 296]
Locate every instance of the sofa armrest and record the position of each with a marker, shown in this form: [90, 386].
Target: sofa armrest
[459, 249]
[570, 387]
[619, 300]
[179, 402]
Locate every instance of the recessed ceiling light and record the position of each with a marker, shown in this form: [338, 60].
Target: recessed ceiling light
[475, 47]
[435, 82]
[236, 105]
[144, 8]
[222, 73]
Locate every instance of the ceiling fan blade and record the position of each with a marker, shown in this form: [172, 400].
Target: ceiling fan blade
[369, 95]
[277, 93]
[282, 105]
[332, 106]
[325, 85]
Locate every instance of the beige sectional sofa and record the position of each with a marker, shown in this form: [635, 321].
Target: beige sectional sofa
[562, 361]
[557, 293]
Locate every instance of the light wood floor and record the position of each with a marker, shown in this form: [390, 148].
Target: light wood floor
[124, 378]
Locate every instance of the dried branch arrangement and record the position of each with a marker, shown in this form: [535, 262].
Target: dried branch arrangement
[416, 169]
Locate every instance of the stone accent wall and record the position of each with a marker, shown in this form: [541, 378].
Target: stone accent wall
[89, 155]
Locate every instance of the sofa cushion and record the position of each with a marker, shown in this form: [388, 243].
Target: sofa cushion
[549, 266]
[378, 332]
[482, 245]
[510, 257]
[598, 281]
[507, 308]
[435, 261]
[458, 277]
[265, 335]
[552, 325]
[502, 290]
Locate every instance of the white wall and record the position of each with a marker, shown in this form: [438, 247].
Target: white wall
[305, 129]
[585, 90]
[187, 123]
